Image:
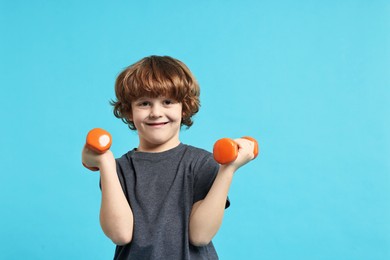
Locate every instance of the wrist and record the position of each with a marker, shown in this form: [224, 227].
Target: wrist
[227, 169]
[107, 162]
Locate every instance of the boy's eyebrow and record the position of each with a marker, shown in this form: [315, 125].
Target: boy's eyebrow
[143, 98]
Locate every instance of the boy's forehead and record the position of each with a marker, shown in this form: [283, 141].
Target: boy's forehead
[154, 97]
[152, 93]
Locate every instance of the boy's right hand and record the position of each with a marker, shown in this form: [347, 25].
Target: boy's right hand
[96, 161]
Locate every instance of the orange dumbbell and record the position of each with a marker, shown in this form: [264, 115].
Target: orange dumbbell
[99, 141]
[226, 150]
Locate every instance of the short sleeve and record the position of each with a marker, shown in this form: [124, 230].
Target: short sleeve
[205, 172]
[120, 163]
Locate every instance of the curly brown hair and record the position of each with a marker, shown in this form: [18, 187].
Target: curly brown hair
[156, 76]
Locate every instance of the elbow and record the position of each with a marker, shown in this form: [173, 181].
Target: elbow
[119, 234]
[121, 239]
[118, 237]
[200, 243]
[199, 240]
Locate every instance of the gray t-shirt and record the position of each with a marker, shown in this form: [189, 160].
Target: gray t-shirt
[161, 189]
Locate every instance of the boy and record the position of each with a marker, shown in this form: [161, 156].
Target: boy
[163, 199]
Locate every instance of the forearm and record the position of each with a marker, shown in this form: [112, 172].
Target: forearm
[206, 216]
[116, 217]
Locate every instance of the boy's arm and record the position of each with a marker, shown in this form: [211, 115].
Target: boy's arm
[116, 216]
[207, 214]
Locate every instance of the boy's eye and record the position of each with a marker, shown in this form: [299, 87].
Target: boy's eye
[168, 102]
[144, 104]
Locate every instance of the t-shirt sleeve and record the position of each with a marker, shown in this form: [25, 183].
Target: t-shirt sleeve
[205, 172]
[120, 171]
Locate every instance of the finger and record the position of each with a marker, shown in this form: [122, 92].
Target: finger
[244, 143]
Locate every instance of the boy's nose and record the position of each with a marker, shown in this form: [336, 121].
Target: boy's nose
[155, 112]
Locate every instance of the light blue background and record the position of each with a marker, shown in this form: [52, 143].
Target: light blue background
[309, 79]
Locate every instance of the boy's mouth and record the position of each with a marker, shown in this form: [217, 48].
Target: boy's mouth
[157, 124]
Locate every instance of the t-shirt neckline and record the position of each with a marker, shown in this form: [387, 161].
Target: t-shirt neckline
[158, 155]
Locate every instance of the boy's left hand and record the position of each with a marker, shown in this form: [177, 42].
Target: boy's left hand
[245, 152]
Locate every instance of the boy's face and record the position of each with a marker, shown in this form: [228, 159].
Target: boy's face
[158, 122]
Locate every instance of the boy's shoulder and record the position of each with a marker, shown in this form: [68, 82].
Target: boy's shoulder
[125, 157]
[199, 156]
[198, 153]
[196, 150]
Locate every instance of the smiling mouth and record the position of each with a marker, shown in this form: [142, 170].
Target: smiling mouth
[157, 124]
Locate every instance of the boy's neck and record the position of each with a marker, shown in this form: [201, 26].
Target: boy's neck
[157, 148]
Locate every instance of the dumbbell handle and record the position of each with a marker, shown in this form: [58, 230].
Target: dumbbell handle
[225, 150]
[99, 141]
